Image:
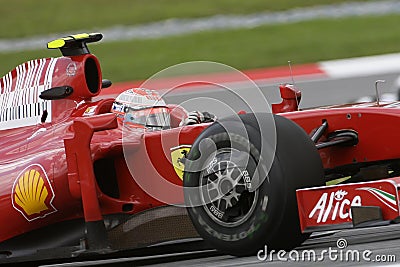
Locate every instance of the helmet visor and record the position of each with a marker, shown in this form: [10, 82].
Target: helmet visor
[155, 117]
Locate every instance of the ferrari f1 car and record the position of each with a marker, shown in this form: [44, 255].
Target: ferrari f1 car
[82, 175]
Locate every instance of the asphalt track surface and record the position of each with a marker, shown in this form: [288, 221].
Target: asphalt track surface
[377, 243]
[315, 92]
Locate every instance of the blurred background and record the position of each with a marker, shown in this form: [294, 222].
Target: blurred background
[142, 37]
[160, 39]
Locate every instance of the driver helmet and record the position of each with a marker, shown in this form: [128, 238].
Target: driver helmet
[142, 108]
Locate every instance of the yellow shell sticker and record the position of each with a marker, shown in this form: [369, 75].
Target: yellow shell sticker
[32, 193]
[177, 154]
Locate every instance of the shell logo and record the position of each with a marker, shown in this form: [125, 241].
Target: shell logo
[32, 193]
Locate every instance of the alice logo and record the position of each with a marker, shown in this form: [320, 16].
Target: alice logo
[32, 193]
[334, 205]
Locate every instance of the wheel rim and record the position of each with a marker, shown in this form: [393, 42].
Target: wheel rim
[224, 188]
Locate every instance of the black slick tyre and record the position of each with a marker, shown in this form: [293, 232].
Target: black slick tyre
[234, 217]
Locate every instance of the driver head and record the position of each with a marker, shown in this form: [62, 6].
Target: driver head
[141, 108]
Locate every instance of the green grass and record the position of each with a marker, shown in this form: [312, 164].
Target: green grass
[21, 18]
[243, 49]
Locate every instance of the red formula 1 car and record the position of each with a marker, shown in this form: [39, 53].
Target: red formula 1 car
[81, 176]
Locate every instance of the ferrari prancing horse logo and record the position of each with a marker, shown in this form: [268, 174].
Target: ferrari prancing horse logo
[177, 154]
[32, 193]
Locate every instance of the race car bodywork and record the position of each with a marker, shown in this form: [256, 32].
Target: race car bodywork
[66, 164]
[62, 159]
